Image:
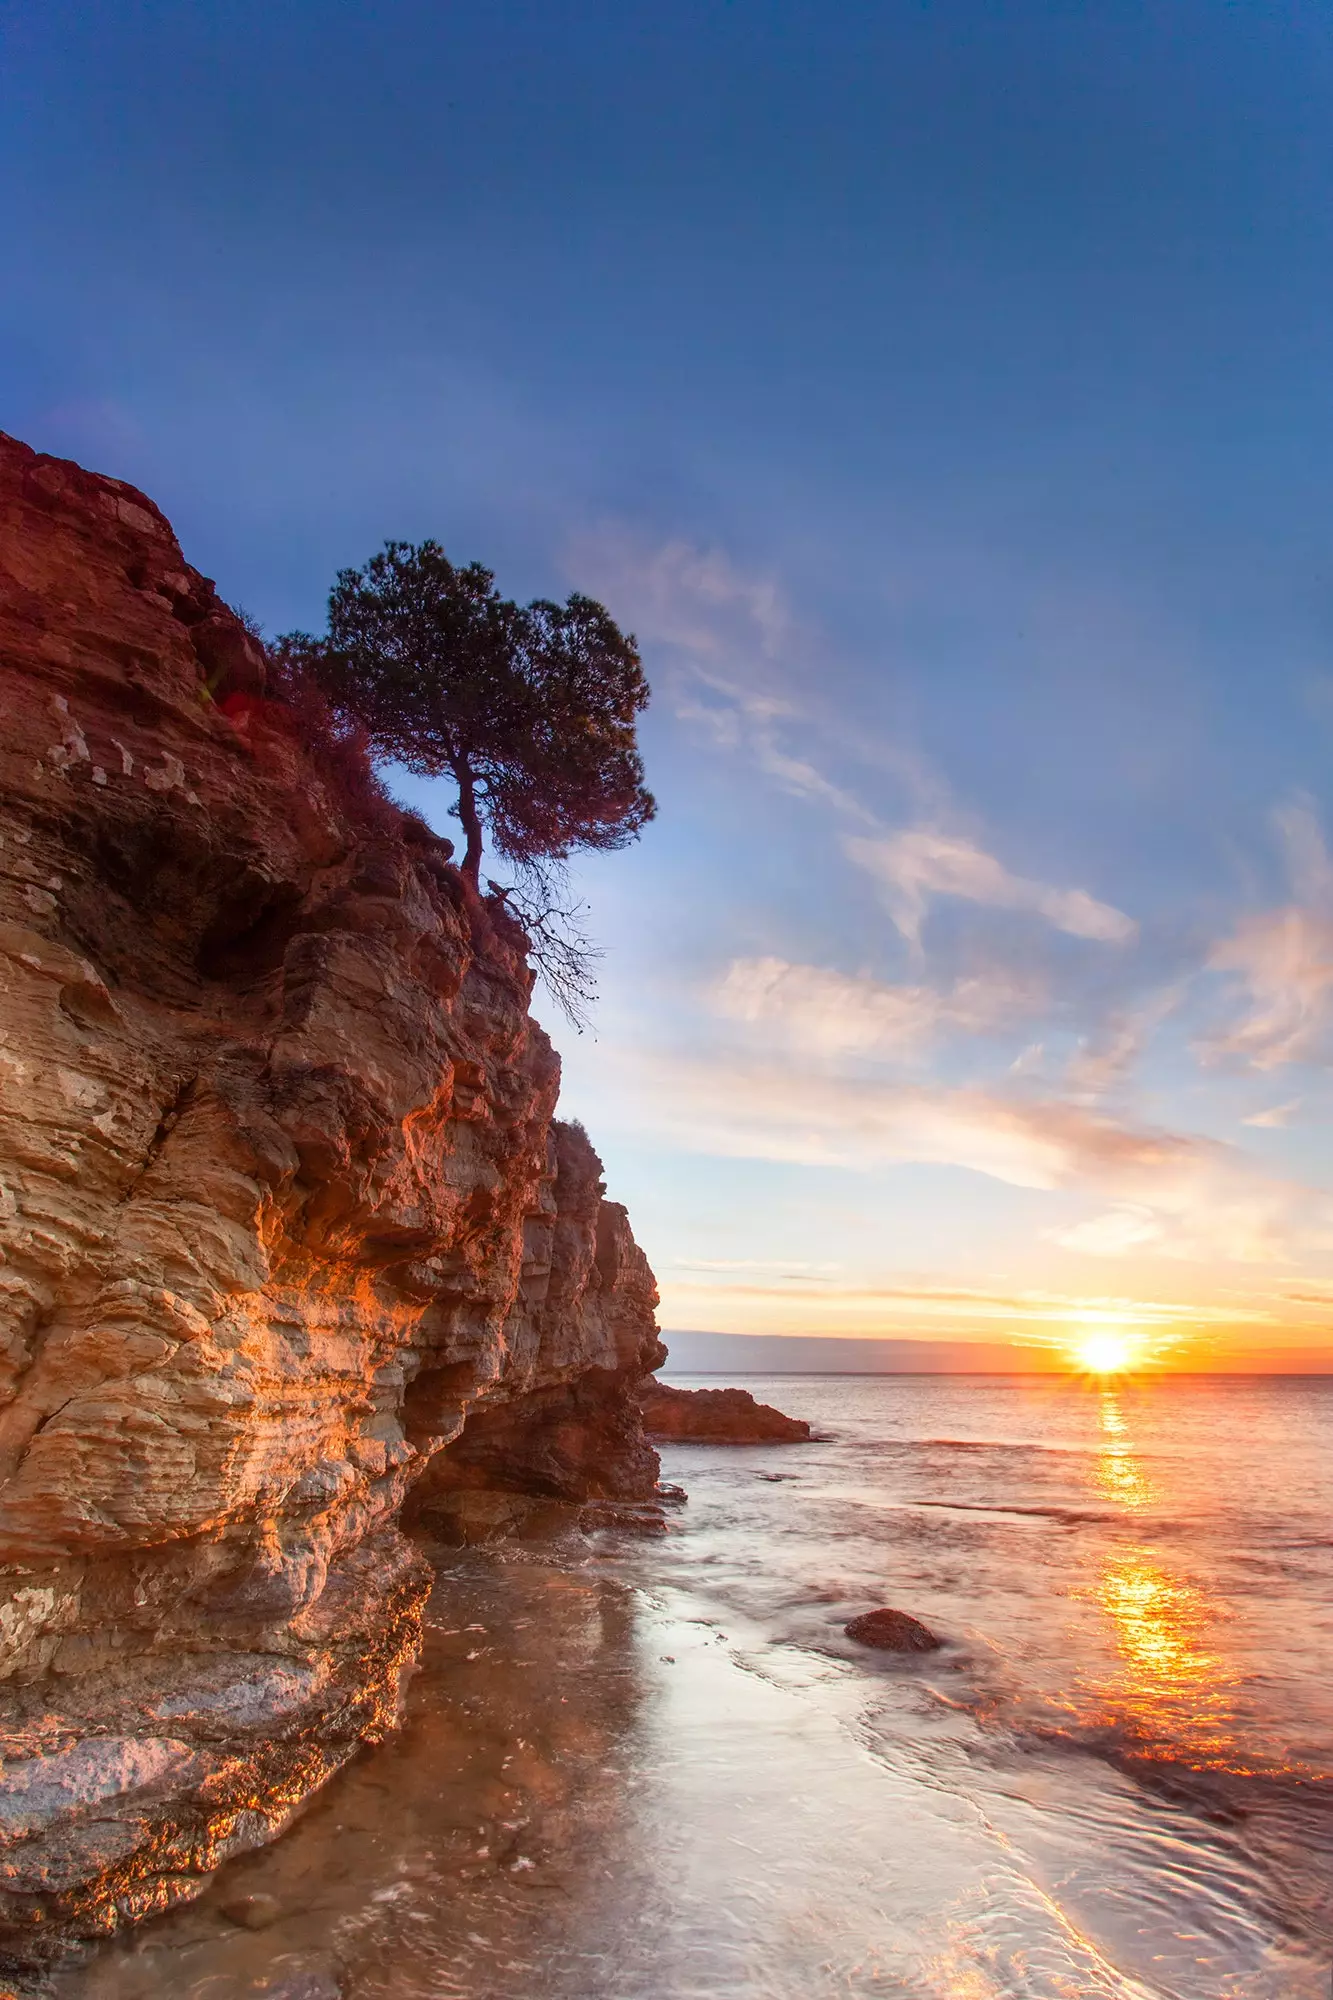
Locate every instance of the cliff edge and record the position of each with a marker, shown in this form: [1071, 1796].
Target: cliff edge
[288, 1231]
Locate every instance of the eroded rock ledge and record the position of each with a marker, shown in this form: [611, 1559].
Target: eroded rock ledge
[288, 1232]
[715, 1416]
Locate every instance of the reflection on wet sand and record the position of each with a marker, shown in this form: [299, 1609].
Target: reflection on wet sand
[446, 1862]
[1172, 1694]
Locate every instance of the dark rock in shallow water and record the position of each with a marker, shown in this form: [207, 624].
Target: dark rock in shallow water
[892, 1632]
[638, 1520]
[254, 1913]
[715, 1416]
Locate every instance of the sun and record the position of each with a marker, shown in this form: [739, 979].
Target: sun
[1107, 1352]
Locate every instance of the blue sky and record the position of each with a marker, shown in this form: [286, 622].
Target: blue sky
[943, 395]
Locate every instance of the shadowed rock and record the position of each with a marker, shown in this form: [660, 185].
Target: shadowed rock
[253, 1913]
[715, 1416]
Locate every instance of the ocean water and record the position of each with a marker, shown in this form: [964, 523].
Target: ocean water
[647, 1770]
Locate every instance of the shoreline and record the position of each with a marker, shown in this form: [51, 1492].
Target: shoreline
[626, 1774]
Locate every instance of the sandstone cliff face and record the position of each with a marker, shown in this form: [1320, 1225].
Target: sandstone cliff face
[287, 1229]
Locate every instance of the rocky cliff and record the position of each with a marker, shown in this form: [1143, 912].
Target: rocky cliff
[289, 1238]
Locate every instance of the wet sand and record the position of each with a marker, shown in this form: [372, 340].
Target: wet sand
[591, 1795]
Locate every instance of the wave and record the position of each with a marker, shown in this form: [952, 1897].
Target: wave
[1014, 1447]
[1220, 1788]
[990, 1444]
[1070, 1516]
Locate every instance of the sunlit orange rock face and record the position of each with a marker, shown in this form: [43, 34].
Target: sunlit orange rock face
[283, 1214]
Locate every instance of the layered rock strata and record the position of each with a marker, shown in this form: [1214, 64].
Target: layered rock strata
[288, 1231]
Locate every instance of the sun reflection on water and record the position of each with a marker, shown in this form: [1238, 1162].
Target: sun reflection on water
[1118, 1473]
[1171, 1689]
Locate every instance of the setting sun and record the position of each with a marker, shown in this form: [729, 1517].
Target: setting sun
[1107, 1353]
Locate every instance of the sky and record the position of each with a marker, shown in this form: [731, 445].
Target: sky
[943, 394]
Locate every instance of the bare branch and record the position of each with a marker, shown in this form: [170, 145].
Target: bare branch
[559, 946]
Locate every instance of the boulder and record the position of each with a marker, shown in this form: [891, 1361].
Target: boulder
[892, 1632]
[253, 1913]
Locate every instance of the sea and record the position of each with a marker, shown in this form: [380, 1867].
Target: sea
[656, 1768]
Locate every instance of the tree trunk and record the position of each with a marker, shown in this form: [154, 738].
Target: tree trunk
[471, 823]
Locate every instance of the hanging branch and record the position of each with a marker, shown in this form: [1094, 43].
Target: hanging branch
[559, 946]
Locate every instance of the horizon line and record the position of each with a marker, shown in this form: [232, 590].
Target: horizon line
[1026, 1374]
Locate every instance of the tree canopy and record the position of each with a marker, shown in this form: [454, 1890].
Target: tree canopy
[530, 709]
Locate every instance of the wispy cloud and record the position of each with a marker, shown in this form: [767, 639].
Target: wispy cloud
[922, 862]
[789, 1267]
[1277, 1115]
[1117, 1233]
[740, 654]
[963, 1305]
[694, 598]
[826, 1013]
[764, 1110]
[1210, 1204]
[737, 718]
[1162, 1193]
[1103, 1060]
[1282, 962]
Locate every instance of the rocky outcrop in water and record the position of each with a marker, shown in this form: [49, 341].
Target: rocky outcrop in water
[288, 1232]
[715, 1416]
[892, 1631]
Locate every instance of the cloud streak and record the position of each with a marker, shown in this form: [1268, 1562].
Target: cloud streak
[1161, 1193]
[829, 1014]
[1276, 1116]
[1280, 963]
[913, 866]
[1283, 961]
[961, 1305]
[734, 637]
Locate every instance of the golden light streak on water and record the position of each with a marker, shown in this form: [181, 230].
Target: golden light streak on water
[1119, 1474]
[1173, 1692]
